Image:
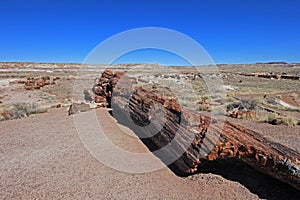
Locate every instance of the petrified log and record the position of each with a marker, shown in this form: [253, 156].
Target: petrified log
[191, 137]
[234, 141]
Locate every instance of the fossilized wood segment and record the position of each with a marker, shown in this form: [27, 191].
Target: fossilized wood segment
[208, 138]
[234, 141]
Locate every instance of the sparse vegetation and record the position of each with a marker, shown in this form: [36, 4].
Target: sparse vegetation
[294, 96]
[273, 103]
[268, 117]
[205, 97]
[230, 99]
[205, 107]
[290, 120]
[218, 110]
[19, 110]
[243, 105]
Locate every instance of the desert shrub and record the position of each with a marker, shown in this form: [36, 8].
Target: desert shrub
[294, 95]
[218, 110]
[271, 102]
[244, 104]
[184, 103]
[260, 100]
[249, 104]
[272, 116]
[219, 98]
[204, 107]
[266, 117]
[274, 104]
[242, 116]
[296, 109]
[23, 109]
[248, 116]
[290, 120]
[230, 99]
[19, 110]
[205, 97]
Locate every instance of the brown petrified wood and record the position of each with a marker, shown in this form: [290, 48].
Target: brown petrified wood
[207, 138]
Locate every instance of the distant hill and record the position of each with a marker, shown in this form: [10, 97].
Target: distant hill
[274, 62]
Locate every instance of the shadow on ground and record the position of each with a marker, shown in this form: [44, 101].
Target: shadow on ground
[232, 169]
[258, 183]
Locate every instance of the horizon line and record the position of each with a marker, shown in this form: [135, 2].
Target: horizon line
[77, 63]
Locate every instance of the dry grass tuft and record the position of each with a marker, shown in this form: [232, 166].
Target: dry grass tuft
[290, 120]
[268, 117]
[19, 110]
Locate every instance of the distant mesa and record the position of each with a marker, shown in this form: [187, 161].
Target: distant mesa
[274, 62]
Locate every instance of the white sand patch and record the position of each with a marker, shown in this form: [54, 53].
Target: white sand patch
[284, 104]
[229, 87]
[4, 83]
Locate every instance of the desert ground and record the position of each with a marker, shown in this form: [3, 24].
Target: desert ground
[42, 155]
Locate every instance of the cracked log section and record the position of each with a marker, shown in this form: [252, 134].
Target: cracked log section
[207, 138]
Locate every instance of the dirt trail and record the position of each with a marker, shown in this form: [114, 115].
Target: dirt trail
[42, 157]
[120, 135]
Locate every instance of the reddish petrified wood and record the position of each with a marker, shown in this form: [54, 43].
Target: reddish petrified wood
[33, 83]
[207, 138]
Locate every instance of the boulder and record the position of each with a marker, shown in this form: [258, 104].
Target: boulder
[276, 121]
[78, 107]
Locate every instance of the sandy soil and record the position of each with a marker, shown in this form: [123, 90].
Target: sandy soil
[286, 135]
[42, 157]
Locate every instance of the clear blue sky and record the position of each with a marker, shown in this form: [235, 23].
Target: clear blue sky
[232, 31]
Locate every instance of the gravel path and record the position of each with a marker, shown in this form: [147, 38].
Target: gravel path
[42, 157]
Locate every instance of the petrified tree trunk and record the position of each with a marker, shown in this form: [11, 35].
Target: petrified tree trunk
[201, 131]
[192, 137]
